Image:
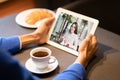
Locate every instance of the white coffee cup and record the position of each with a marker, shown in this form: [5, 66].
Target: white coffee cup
[41, 57]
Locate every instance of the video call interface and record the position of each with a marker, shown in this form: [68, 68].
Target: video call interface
[70, 31]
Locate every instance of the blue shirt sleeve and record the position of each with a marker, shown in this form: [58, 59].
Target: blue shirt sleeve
[74, 72]
[10, 44]
[10, 69]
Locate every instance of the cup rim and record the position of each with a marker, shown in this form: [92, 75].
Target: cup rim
[40, 49]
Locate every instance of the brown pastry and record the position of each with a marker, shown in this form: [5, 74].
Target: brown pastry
[37, 15]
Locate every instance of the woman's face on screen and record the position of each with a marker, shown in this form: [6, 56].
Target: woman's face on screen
[72, 28]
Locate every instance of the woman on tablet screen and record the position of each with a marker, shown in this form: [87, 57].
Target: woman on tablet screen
[70, 37]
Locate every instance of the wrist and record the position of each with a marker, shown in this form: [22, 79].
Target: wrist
[81, 60]
[29, 39]
[36, 37]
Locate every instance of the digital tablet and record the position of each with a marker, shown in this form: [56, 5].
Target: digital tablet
[69, 29]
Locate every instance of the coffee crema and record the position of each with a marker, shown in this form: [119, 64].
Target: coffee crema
[40, 54]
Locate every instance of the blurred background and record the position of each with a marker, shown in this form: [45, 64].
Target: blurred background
[106, 11]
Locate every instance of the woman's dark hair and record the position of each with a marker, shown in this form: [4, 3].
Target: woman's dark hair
[76, 28]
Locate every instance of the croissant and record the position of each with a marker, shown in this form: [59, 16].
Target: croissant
[37, 15]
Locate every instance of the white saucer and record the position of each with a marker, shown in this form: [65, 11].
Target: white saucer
[21, 17]
[32, 68]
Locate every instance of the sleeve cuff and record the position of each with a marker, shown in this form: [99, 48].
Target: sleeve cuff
[77, 68]
[74, 72]
[20, 43]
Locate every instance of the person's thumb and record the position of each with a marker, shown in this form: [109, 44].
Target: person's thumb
[49, 21]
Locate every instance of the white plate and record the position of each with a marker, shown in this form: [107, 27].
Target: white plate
[32, 68]
[20, 18]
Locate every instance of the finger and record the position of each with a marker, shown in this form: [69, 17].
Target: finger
[94, 46]
[45, 22]
[49, 21]
[89, 37]
[84, 43]
[93, 42]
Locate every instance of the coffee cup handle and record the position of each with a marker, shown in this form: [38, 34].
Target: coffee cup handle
[52, 60]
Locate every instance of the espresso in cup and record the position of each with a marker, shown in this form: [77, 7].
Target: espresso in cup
[41, 57]
[40, 54]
